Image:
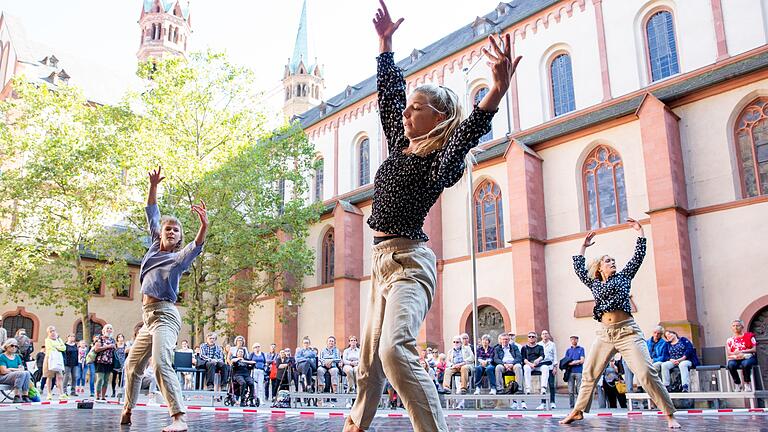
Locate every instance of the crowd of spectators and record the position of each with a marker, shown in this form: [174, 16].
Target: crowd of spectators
[66, 367]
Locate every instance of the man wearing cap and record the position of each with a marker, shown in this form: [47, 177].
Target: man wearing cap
[575, 354]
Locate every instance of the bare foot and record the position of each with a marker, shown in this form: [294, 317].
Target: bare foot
[672, 423]
[350, 426]
[125, 417]
[179, 424]
[572, 417]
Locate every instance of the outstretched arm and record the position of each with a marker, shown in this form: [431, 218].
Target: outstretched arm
[390, 83]
[578, 260]
[637, 259]
[153, 214]
[192, 250]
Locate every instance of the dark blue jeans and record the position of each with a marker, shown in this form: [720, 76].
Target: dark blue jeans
[489, 372]
[746, 364]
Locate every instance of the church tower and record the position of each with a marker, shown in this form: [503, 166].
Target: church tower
[303, 81]
[165, 29]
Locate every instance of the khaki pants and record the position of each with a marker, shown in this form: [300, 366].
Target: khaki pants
[626, 338]
[157, 338]
[462, 370]
[403, 279]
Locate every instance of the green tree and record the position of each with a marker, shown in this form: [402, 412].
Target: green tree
[201, 120]
[61, 192]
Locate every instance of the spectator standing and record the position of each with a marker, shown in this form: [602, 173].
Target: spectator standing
[259, 369]
[54, 348]
[26, 347]
[611, 377]
[105, 360]
[71, 365]
[119, 363]
[575, 354]
[741, 351]
[270, 358]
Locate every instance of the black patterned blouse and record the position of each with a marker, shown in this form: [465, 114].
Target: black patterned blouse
[406, 185]
[612, 294]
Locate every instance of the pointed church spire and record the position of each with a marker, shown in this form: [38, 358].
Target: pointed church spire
[300, 50]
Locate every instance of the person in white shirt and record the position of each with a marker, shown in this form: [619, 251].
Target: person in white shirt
[350, 361]
[459, 361]
[550, 358]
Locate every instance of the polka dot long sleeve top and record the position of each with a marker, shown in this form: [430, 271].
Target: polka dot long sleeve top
[612, 294]
[407, 185]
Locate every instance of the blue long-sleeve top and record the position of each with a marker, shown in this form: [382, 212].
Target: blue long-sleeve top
[613, 293]
[161, 271]
[659, 350]
[305, 354]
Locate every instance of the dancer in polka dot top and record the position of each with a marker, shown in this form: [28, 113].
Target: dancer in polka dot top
[427, 144]
[617, 330]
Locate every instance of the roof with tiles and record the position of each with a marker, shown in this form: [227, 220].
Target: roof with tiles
[505, 15]
[168, 6]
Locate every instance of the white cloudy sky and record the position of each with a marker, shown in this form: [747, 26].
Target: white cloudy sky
[256, 33]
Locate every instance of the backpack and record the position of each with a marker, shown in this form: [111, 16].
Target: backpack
[511, 388]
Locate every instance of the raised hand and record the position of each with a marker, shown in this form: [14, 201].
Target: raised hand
[155, 177]
[636, 226]
[587, 242]
[500, 61]
[385, 27]
[202, 212]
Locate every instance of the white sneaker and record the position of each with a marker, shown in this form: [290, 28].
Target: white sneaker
[477, 391]
[349, 405]
[553, 406]
[747, 387]
[543, 390]
[513, 405]
[493, 391]
[523, 406]
[540, 407]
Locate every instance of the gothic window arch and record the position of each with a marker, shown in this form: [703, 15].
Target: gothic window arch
[95, 325]
[488, 217]
[751, 136]
[605, 196]
[661, 45]
[327, 258]
[364, 162]
[319, 180]
[479, 93]
[18, 319]
[561, 84]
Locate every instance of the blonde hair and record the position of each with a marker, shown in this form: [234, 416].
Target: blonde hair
[594, 267]
[445, 101]
[165, 220]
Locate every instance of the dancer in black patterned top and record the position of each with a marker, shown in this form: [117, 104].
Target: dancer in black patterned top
[618, 330]
[427, 144]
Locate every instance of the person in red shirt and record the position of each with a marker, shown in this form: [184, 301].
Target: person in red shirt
[741, 350]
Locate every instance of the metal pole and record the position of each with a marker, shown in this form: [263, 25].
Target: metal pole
[472, 241]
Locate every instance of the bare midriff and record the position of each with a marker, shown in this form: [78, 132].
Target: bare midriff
[614, 316]
[145, 299]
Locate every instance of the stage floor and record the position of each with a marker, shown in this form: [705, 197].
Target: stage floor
[105, 418]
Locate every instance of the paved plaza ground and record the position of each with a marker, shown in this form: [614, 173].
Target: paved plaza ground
[105, 417]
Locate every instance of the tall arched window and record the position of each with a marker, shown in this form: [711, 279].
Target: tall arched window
[604, 191]
[479, 95]
[489, 217]
[327, 258]
[751, 132]
[319, 180]
[561, 77]
[661, 45]
[364, 162]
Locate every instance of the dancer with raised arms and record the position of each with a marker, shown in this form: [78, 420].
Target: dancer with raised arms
[164, 263]
[428, 141]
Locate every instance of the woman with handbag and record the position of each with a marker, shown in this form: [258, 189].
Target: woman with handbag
[53, 365]
[105, 361]
[613, 385]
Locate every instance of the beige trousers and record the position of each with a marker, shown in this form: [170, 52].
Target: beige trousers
[450, 372]
[626, 338]
[403, 279]
[157, 339]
